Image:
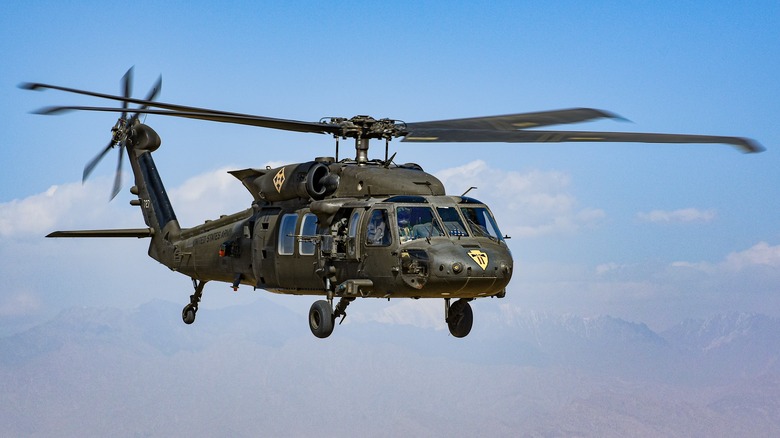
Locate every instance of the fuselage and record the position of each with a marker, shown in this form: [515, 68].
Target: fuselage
[420, 245]
[403, 246]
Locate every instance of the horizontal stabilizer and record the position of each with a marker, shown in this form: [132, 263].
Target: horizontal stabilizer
[128, 232]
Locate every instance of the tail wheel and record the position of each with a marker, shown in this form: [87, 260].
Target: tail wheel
[188, 314]
[321, 319]
[460, 318]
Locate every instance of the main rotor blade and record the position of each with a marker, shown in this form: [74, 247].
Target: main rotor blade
[520, 136]
[148, 103]
[241, 119]
[91, 165]
[511, 122]
[39, 86]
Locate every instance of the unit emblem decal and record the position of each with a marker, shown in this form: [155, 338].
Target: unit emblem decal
[279, 180]
[480, 257]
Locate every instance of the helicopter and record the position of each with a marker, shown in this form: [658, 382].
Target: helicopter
[338, 228]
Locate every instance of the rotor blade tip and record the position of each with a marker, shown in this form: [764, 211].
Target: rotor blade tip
[753, 147]
[30, 86]
[618, 117]
[50, 110]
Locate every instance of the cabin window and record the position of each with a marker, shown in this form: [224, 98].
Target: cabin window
[287, 234]
[481, 222]
[417, 222]
[308, 229]
[378, 232]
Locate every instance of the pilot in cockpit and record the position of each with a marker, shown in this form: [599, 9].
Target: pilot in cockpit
[377, 229]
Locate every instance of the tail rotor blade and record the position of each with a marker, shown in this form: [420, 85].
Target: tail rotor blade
[127, 88]
[118, 176]
[150, 97]
[94, 162]
[154, 91]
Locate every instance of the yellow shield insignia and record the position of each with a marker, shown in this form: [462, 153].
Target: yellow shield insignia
[480, 257]
[279, 180]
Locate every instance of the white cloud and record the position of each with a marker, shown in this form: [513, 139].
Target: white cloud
[685, 215]
[33, 214]
[209, 195]
[760, 254]
[65, 205]
[527, 204]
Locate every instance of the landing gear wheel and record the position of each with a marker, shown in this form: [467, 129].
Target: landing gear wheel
[460, 318]
[188, 313]
[321, 319]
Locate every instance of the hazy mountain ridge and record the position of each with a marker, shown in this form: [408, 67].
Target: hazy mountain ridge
[721, 330]
[525, 338]
[253, 368]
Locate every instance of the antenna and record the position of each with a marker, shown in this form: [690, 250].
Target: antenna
[466, 192]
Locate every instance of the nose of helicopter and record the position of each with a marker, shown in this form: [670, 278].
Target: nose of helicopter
[467, 268]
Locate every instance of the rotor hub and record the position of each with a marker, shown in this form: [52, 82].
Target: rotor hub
[366, 127]
[119, 131]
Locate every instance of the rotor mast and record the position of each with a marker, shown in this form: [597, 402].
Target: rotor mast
[363, 129]
[361, 150]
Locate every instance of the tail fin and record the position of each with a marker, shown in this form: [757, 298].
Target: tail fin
[152, 197]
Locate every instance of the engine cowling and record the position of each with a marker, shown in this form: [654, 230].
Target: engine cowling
[305, 180]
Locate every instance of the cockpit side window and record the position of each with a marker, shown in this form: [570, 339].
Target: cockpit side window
[353, 224]
[416, 222]
[378, 232]
[481, 222]
[452, 221]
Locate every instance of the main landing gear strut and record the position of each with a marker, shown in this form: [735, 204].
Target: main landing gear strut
[189, 311]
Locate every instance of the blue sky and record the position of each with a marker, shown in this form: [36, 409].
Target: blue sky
[653, 233]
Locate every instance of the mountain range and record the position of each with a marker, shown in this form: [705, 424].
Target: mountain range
[256, 370]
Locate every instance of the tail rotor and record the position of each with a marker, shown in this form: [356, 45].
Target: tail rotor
[122, 132]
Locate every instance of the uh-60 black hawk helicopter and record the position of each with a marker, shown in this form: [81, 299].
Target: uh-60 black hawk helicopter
[340, 228]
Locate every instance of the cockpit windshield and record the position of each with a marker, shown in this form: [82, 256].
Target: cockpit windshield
[452, 221]
[416, 222]
[481, 222]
